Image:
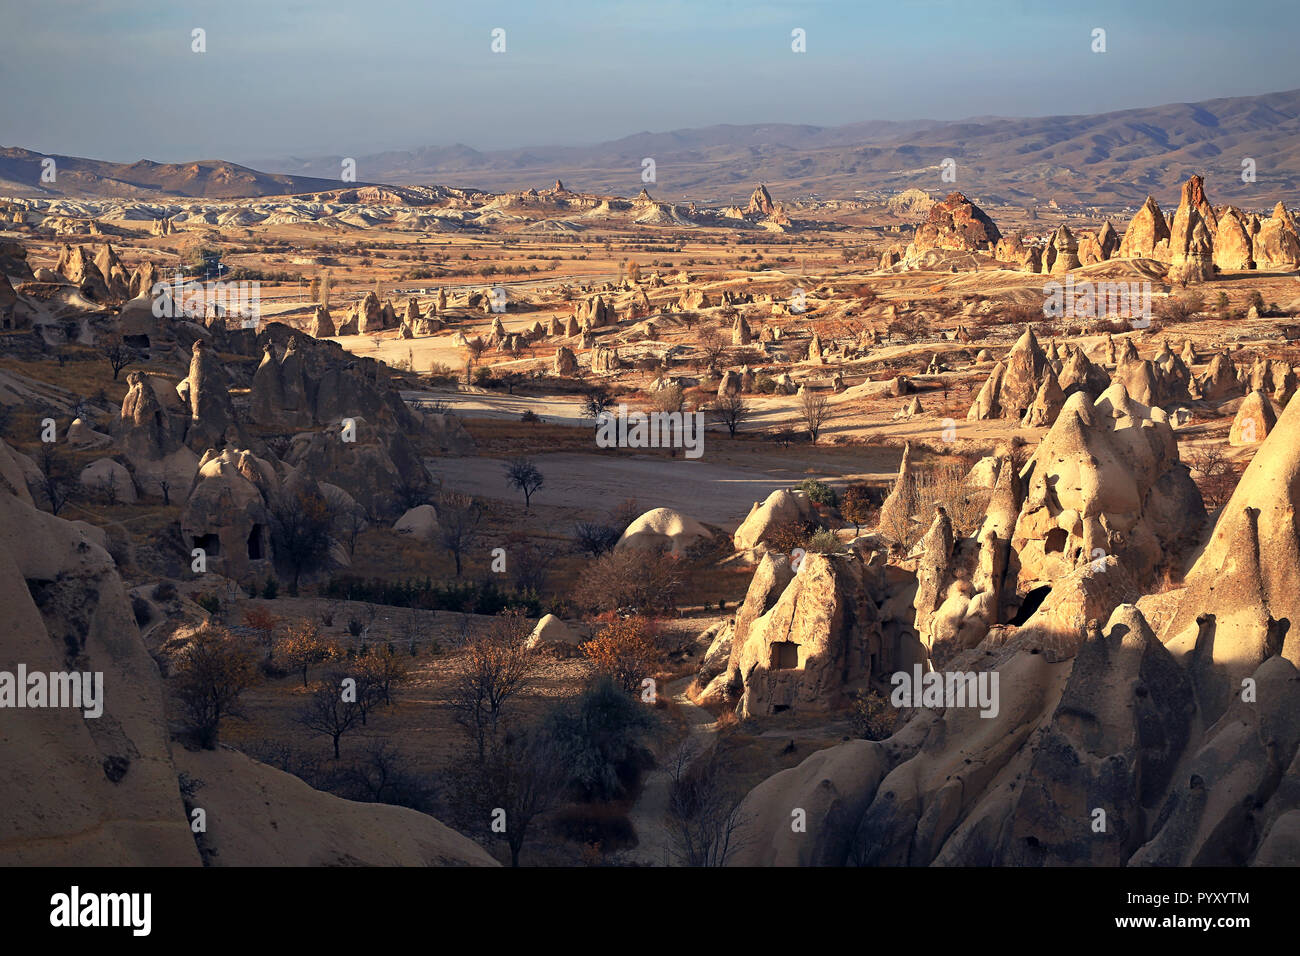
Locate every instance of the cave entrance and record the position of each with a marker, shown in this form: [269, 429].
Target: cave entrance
[255, 552]
[1032, 602]
[210, 543]
[1055, 540]
[784, 656]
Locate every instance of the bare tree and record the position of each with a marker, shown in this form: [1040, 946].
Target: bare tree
[349, 523]
[165, 486]
[55, 482]
[704, 814]
[596, 403]
[327, 712]
[459, 516]
[731, 410]
[523, 473]
[516, 781]
[118, 353]
[475, 348]
[496, 665]
[214, 670]
[301, 523]
[815, 410]
[713, 344]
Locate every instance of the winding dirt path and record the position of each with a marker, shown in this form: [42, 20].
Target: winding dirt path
[648, 815]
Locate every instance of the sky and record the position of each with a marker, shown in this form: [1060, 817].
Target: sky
[119, 80]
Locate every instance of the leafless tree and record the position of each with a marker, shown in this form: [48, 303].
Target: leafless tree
[459, 516]
[118, 353]
[815, 410]
[704, 814]
[732, 411]
[326, 712]
[713, 344]
[522, 473]
[495, 666]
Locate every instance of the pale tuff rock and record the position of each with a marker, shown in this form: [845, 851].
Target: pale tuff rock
[370, 316]
[664, 529]
[933, 574]
[780, 507]
[115, 275]
[986, 404]
[1144, 233]
[1009, 249]
[227, 513]
[76, 265]
[956, 224]
[1254, 421]
[63, 809]
[740, 333]
[143, 426]
[110, 478]
[730, 384]
[1191, 246]
[352, 324]
[604, 359]
[1106, 480]
[420, 522]
[368, 469]
[1232, 244]
[273, 818]
[1024, 371]
[1047, 403]
[1079, 374]
[322, 326]
[1276, 244]
[206, 390]
[553, 632]
[566, 363]
[1107, 240]
[894, 511]
[815, 348]
[1284, 383]
[909, 411]
[821, 637]
[1220, 380]
[1067, 252]
[760, 201]
[1245, 579]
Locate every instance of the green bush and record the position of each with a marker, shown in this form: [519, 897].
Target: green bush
[873, 716]
[271, 588]
[823, 541]
[601, 735]
[819, 492]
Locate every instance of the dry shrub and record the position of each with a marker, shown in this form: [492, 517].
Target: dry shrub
[942, 485]
[630, 578]
[627, 650]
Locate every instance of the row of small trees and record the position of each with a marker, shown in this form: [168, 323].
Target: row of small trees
[217, 666]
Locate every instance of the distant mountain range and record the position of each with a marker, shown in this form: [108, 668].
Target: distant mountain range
[21, 175]
[1111, 160]
[1107, 159]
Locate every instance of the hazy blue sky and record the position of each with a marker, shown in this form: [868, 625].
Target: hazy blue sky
[115, 79]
